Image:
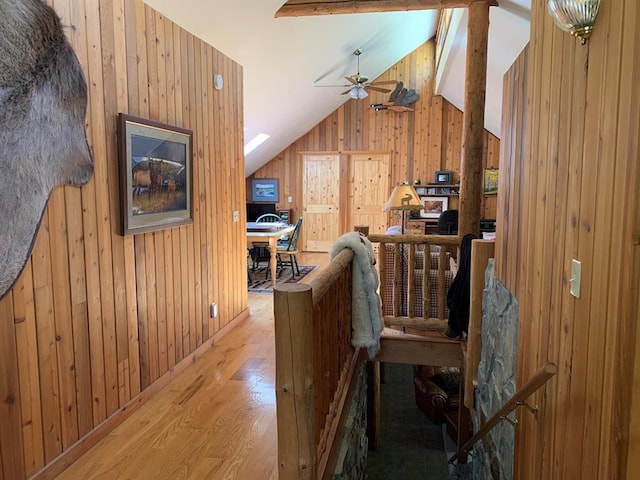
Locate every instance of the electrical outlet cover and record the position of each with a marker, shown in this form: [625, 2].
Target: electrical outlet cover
[576, 278]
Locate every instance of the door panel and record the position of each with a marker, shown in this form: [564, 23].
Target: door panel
[368, 190]
[321, 201]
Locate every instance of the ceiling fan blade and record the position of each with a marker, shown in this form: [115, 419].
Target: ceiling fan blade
[352, 80]
[377, 89]
[345, 92]
[385, 82]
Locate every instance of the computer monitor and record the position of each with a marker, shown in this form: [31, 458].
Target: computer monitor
[254, 210]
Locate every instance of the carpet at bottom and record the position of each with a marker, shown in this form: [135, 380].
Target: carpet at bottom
[259, 283]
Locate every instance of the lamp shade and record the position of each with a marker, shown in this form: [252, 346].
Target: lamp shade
[403, 197]
[574, 16]
[358, 92]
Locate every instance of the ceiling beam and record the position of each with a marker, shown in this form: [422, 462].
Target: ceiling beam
[304, 8]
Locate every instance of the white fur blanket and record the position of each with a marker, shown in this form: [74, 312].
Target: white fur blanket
[366, 306]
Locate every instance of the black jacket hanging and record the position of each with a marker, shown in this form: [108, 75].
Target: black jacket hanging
[458, 296]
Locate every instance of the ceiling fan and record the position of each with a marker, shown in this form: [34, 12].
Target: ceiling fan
[359, 84]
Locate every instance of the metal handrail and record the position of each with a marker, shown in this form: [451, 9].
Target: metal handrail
[541, 377]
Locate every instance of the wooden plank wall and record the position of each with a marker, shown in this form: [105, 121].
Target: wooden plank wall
[96, 318]
[420, 142]
[578, 198]
[513, 173]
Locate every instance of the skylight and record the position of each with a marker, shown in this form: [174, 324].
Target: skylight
[255, 143]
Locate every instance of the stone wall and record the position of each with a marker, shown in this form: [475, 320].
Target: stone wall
[352, 460]
[493, 457]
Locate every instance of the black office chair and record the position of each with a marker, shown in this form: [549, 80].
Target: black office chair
[448, 222]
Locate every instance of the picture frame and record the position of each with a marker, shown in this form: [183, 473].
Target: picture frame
[443, 177]
[433, 206]
[490, 181]
[155, 175]
[265, 190]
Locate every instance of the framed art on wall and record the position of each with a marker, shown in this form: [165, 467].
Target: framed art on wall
[155, 175]
[432, 207]
[443, 177]
[265, 190]
[490, 181]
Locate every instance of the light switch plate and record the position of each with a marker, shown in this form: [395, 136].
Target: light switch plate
[235, 215]
[576, 277]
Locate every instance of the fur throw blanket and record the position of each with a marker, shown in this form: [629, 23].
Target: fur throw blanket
[366, 306]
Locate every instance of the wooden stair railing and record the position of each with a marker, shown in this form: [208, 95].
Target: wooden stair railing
[315, 367]
[400, 301]
[541, 377]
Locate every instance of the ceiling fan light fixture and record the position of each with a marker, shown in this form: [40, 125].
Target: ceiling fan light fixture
[576, 17]
[358, 92]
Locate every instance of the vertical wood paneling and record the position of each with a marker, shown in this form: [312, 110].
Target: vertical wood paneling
[45, 325]
[575, 195]
[419, 142]
[12, 456]
[127, 100]
[62, 319]
[627, 176]
[107, 34]
[96, 317]
[28, 374]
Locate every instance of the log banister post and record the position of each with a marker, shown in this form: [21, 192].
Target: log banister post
[481, 252]
[471, 172]
[293, 309]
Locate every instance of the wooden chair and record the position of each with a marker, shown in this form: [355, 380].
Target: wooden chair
[268, 218]
[260, 250]
[289, 248]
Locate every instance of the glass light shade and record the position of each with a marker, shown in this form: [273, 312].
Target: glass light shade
[574, 16]
[403, 197]
[358, 93]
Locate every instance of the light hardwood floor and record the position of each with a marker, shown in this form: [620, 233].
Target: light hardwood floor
[216, 420]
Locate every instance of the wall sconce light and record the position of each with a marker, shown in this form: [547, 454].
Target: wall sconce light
[218, 81]
[574, 16]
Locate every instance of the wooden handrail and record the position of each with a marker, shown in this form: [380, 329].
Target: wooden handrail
[328, 276]
[540, 378]
[452, 240]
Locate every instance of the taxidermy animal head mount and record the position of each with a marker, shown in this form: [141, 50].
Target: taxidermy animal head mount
[43, 102]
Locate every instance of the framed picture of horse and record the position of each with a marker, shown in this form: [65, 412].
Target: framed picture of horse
[155, 175]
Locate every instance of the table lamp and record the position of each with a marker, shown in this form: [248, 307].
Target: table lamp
[404, 197]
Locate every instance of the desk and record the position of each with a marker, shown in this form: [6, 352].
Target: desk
[422, 226]
[269, 232]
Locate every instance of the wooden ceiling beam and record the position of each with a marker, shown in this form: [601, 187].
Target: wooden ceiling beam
[304, 8]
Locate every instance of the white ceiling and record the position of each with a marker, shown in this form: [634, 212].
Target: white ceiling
[508, 35]
[284, 58]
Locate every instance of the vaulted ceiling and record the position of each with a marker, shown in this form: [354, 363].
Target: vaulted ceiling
[286, 58]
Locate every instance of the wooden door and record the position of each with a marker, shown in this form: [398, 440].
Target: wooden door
[320, 201]
[368, 190]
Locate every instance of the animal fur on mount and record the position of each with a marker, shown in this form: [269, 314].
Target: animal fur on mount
[43, 101]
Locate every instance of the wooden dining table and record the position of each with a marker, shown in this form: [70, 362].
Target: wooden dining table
[271, 233]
